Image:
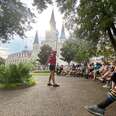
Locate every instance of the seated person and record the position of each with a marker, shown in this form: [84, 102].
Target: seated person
[90, 71]
[100, 108]
[97, 66]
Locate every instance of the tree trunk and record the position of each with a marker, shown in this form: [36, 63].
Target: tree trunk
[113, 41]
[114, 29]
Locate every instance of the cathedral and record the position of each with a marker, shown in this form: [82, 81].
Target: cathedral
[52, 39]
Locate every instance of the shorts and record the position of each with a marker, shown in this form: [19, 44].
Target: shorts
[113, 77]
[52, 67]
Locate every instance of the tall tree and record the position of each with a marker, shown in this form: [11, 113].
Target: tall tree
[92, 19]
[85, 50]
[77, 50]
[44, 54]
[68, 51]
[15, 19]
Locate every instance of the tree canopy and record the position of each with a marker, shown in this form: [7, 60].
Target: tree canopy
[44, 54]
[85, 50]
[91, 19]
[41, 4]
[15, 19]
[77, 50]
[68, 51]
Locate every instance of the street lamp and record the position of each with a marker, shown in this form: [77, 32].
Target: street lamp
[57, 40]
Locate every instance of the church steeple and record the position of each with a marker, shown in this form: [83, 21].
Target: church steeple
[62, 36]
[52, 21]
[36, 39]
[36, 47]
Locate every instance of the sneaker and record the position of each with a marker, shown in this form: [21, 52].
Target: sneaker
[49, 84]
[105, 86]
[94, 109]
[56, 85]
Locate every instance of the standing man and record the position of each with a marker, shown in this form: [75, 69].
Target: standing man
[52, 62]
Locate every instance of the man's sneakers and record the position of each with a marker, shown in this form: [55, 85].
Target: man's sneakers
[94, 109]
[54, 85]
[49, 84]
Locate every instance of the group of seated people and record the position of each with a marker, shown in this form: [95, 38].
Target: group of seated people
[72, 70]
[76, 70]
[102, 71]
[97, 70]
[59, 69]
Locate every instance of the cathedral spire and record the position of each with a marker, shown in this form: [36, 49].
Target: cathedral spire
[36, 39]
[62, 36]
[52, 21]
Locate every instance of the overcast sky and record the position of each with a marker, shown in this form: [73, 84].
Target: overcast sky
[41, 25]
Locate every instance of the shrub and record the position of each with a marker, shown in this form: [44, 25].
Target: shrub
[12, 73]
[2, 73]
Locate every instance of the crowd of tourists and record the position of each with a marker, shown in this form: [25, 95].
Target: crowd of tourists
[103, 71]
[106, 73]
[74, 70]
[94, 71]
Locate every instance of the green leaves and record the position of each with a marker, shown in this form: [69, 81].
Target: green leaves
[44, 54]
[77, 50]
[15, 19]
[90, 19]
[68, 51]
[41, 4]
[85, 50]
[14, 73]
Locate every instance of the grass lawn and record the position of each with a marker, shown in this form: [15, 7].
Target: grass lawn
[39, 74]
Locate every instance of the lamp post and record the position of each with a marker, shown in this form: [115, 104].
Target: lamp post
[57, 41]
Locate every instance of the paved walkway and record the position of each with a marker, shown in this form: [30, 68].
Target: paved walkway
[40, 100]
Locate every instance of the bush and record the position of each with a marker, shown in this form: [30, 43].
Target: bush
[12, 73]
[2, 73]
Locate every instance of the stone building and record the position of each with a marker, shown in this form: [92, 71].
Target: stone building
[26, 55]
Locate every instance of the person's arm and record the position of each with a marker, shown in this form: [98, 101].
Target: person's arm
[106, 75]
[113, 85]
[49, 60]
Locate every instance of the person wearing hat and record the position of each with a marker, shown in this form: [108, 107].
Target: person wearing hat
[99, 109]
[52, 62]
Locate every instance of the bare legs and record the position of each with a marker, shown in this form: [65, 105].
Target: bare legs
[52, 77]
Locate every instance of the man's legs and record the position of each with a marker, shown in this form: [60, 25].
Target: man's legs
[50, 77]
[53, 79]
[109, 100]
[99, 109]
[51, 74]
